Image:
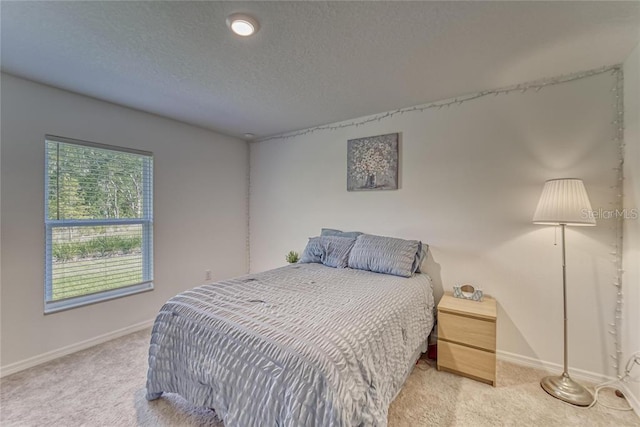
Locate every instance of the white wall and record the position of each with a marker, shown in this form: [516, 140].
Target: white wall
[631, 277]
[471, 176]
[200, 211]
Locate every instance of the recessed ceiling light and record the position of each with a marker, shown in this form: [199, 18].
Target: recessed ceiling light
[243, 25]
[248, 136]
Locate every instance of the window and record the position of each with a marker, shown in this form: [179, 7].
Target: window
[98, 221]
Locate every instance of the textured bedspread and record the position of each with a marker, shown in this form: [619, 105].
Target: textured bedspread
[302, 345]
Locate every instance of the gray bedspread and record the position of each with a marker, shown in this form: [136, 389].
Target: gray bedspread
[302, 345]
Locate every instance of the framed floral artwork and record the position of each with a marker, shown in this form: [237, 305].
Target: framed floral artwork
[372, 163]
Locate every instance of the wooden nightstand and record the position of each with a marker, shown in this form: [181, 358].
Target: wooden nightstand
[467, 337]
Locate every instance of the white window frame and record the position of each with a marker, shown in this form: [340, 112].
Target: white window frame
[147, 234]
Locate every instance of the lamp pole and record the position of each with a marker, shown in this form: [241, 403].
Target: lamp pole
[563, 387]
[565, 372]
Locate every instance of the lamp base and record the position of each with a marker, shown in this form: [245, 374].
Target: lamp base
[564, 388]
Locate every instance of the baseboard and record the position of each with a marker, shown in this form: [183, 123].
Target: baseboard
[63, 351]
[578, 374]
[631, 398]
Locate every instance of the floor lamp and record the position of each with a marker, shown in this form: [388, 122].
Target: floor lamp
[565, 202]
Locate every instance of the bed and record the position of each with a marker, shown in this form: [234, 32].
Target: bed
[301, 345]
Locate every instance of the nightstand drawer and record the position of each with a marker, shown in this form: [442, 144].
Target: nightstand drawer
[478, 364]
[467, 330]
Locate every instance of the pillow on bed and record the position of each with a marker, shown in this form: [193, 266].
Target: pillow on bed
[386, 255]
[421, 255]
[332, 251]
[334, 232]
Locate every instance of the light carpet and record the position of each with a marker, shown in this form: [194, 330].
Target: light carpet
[104, 386]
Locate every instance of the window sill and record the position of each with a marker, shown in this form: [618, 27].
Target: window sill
[68, 304]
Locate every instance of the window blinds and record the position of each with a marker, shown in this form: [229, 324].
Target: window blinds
[98, 220]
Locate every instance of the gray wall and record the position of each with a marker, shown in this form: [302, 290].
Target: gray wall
[200, 205]
[631, 282]
[471, 177]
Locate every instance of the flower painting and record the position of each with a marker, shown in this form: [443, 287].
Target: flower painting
[372, 163]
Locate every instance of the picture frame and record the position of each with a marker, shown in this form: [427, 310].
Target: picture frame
[372, 163]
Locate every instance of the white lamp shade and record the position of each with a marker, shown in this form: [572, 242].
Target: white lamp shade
[564, 201]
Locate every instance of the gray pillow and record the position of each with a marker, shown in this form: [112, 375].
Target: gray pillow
[334, 232]
[421, 255]
[332, 251]
[386, 255]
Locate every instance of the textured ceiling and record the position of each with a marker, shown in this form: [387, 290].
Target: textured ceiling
[311, 63]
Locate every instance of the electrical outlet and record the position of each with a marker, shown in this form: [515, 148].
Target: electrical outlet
[207, 275]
